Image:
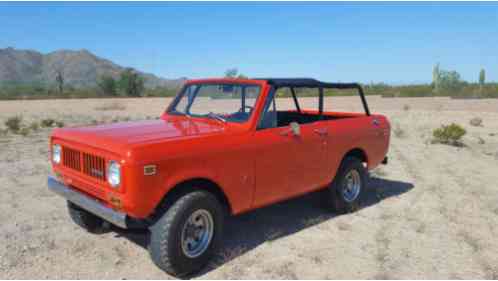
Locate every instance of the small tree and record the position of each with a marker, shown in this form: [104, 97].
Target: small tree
[231, 72]
[59, 78]
[450, 81]
[108, 85]
[234, 73]
[131, 83]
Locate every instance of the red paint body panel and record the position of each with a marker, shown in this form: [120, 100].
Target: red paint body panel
[253, 167]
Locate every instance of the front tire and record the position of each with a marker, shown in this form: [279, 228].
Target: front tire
[85, 219]
[347, 190]
[185, 238]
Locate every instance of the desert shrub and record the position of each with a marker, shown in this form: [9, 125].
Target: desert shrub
[59, 124]
[34, 126]
[449, 134]
[47, 123]
[14, 123]
[24, 131]
[111, 106]
[476, 122]
[406, 107]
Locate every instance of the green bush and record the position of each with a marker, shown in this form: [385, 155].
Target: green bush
[14, 123]
[59, 124]
[47, 123]
[24, 131]
[450, 134]
[34, 126]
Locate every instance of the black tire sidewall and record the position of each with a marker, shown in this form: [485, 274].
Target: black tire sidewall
[336, 195]
[181, 264]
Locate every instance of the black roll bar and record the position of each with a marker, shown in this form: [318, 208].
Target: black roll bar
[295, 99]
[313, 83]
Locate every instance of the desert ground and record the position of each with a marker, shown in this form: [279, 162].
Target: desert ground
[432, 212]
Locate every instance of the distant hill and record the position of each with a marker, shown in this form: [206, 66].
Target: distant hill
[79, 68]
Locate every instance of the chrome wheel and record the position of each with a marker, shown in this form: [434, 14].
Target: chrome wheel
[197, 233]
[351, 186]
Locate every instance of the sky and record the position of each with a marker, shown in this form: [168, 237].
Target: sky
[347, 42]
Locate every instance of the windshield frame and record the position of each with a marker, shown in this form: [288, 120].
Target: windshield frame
[172, 106]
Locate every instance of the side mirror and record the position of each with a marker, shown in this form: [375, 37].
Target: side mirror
[295, 128]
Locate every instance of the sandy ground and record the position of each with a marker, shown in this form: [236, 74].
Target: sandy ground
[431, 213]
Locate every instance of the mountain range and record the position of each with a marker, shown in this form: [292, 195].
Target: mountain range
[79, 68]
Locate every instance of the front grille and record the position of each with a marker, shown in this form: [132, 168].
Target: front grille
[71, 158]
[94, 166]
[89, 164]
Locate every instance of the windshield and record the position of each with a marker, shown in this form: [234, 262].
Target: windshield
[222, 102]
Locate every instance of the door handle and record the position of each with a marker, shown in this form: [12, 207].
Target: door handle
[321, 132]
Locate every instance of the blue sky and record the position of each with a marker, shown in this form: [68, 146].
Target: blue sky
[390, 42]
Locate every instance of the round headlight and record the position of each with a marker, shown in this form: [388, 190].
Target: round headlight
[56, 153]
[114, 173]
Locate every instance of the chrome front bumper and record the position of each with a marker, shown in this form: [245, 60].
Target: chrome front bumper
[85, 202]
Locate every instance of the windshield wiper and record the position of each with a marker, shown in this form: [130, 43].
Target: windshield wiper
[216, 116]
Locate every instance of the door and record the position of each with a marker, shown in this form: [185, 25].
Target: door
[289, 164]
[310, 170]
[274, 160]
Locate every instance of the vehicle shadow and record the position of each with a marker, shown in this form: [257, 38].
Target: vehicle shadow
[247, 231]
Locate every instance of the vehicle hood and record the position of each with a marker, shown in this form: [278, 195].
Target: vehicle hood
[118, 137]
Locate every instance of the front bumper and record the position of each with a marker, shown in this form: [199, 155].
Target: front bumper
[87, 203]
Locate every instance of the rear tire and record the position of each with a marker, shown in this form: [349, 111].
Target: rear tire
[347, 190]
[85, 219]
[176, 241]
